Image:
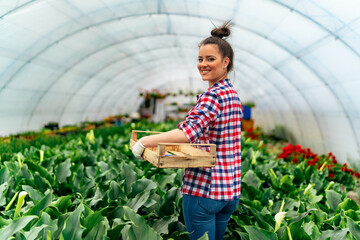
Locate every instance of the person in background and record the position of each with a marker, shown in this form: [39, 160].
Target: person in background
[210, 194]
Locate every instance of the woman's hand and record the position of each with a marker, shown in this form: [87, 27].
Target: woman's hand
[138, 150]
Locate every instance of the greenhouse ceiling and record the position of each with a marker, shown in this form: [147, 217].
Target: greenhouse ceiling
[68, 61]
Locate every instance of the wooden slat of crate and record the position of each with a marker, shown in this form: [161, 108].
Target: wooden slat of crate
[182, 155]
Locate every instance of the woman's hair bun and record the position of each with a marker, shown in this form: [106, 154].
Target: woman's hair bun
[223, 31]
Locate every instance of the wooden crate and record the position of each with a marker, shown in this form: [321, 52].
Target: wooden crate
[177, 155]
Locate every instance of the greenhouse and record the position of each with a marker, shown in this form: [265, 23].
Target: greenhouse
[78, 78]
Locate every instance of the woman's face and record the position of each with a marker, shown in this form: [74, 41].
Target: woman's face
[211, 65]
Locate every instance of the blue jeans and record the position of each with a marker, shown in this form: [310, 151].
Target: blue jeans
[207, 215]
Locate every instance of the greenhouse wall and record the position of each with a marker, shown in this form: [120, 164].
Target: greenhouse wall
[71, 61]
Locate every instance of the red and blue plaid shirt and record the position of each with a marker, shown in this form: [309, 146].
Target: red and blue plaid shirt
[215, 119]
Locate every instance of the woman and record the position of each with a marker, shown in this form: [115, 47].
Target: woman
[210, 195]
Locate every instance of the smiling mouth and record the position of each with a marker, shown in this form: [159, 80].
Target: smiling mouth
[205, 71]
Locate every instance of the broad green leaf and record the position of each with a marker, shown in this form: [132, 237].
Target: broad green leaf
[162, 225]
[41, 183]
[97, 232]
[338, 234]
[4, 222]
[164, 180]
[297, 231]
[15, 226]
[252, 179]
[242, 235]
[333, 199]
[98, 196]
[92, 220]
[129, 175]
[60, 224]
[41, 170]
[51, 226]
[142, 185]
[62, 171]
[256, 233]
[4, 175]
[138, 201]
[286, 183]
[73, 230]
[115, 191]
[33, 193]
[347, 204]
[354, 228]
[204, 237]
[3, 189]
[352, 214]
[63, 203]
[115, 232]
[139, 228]
[34, 232]
[169, 200]
[261, 220]
[46, 201]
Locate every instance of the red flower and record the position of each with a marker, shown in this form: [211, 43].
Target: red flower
[249, 130]
[295, 160]
[311, 163]
[331, 175]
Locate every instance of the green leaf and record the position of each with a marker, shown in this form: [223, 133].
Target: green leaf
[51, 226]
[242, 235]
[33, 193]
[92, 220]
[63, 203]
[62, 171]
[169, 200]
[4, 222]
[354, 228]
[333, 199]
[286, 183]
[142, 185]
[97, 232]
[297, 231]
[256, 233]
[34, 232]
[15, 226]
[138, 201]
[115, 191]
[60, 225]
[129, 175]
[162, 225]
[164, 180]
[73, 230]
[252, 179]
[204, 237]
[46, 201]
[348, 204]
[4, 175]
[338, 234]
[3, 189]
[139, 228]
[41, 170]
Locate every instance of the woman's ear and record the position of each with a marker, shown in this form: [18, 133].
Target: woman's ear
[226, 62]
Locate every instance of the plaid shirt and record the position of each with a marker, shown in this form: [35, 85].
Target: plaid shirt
[216, 119]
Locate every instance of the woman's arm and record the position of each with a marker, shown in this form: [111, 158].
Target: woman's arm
[173, 136]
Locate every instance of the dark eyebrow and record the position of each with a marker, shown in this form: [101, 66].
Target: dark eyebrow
[207, 56]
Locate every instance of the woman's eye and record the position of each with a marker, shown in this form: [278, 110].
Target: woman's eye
[211, 59]
[200, 60]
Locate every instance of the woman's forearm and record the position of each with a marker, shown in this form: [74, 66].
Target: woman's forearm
[173, 136]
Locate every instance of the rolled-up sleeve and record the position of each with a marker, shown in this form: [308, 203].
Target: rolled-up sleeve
[199, 118]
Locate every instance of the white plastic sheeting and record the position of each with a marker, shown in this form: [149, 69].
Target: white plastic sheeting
[68, 61]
